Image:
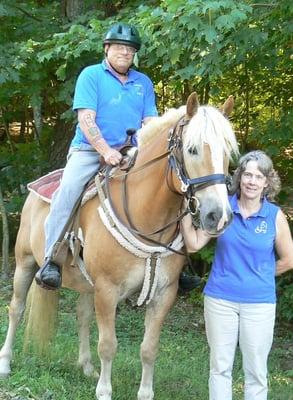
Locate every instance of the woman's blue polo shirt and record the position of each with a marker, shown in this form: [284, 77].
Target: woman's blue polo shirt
[118, 106]
[244, 265]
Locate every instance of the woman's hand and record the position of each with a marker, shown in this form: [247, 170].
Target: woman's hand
[194, 239]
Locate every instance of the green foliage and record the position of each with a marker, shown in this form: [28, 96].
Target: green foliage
[275, 137]
[18, 169]
[285, 297]
[207, 253]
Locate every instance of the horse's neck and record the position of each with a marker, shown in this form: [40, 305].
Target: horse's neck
[151, 202]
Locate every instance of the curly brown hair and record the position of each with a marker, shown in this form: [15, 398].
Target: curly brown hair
[265, 165]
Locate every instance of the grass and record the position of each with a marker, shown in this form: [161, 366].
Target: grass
[181, 369]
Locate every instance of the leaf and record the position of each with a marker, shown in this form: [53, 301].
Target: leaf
[61, 72]
[175, 55]
[210, 34]
[237, 16]
[45, 55]
[224, 21]
[187, 72]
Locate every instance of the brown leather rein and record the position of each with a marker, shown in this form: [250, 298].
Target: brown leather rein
[188, 186]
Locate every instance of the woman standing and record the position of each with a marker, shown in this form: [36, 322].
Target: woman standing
[240, 298]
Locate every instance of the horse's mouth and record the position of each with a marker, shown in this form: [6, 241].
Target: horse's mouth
[215, 232]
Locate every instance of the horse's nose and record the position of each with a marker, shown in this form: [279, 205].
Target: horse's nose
[216, 220]
[213, 218]
[225, 220]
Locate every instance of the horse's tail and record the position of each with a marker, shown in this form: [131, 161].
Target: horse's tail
[41, 318]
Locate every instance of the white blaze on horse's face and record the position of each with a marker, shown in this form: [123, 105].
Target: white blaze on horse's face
[207, 144]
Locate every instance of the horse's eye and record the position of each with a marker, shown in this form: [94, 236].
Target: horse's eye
[193, 151]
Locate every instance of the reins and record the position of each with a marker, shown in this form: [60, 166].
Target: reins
[131, 226]
[143, 166]
[188, 186]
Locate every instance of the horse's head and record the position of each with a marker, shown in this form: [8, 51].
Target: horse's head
[208, 141]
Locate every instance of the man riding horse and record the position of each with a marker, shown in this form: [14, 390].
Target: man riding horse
[109, 98]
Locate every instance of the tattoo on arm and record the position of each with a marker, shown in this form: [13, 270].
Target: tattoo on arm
[89, 120]
[93, 130]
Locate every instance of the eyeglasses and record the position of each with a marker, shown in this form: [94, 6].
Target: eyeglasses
[248, 176]
[124, 47]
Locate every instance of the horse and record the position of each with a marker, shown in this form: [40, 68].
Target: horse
[181, 166]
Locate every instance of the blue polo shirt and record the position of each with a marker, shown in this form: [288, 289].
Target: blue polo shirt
[244, 265]
[118, 106]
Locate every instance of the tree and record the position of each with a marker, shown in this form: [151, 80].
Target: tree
[71, 8]
[216, 48]
[5, 240]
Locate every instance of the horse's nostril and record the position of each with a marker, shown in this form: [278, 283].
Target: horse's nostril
[213, 217]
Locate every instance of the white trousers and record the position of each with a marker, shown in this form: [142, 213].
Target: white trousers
[252, 326]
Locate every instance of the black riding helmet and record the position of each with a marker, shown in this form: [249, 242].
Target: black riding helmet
[123, 33]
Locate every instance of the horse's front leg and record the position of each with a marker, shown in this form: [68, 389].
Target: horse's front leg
[155, 316]
[24, 273]
[106, 298]
[85, 311]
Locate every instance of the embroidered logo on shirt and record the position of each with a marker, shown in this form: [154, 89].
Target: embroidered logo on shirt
[138, 88]
[262, 227]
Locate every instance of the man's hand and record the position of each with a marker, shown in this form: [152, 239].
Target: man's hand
[87, 123]
[112, 157]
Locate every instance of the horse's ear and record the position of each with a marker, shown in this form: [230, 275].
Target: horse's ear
[227, 107]
[192, 104]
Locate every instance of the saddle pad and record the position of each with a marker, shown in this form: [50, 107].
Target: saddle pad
[46, 186]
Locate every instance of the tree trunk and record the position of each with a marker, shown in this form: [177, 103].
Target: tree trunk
[110, 8]
[61, 138]
[37, 115]
[206, 93]
[7, 132]
[72, 8]
[5, 239]
[22, 128]
[247, 106]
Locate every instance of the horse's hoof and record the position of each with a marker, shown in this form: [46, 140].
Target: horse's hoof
[188, 282]
[144, 394]
[4, 369]
[89, 371]
[104, 397]
[4, 375]
[103, 394]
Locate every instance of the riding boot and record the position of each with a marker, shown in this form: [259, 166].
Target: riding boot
[188, 282]
[49, 275]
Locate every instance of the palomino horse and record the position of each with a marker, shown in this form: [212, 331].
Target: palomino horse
[183, 154]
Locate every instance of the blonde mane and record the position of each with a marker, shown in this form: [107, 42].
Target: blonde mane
[210, 126]
[148, 132]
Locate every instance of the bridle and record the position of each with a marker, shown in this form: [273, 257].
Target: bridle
[188, 186]
[176, 163]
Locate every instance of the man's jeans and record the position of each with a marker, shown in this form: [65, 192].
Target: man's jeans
[82, 165]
